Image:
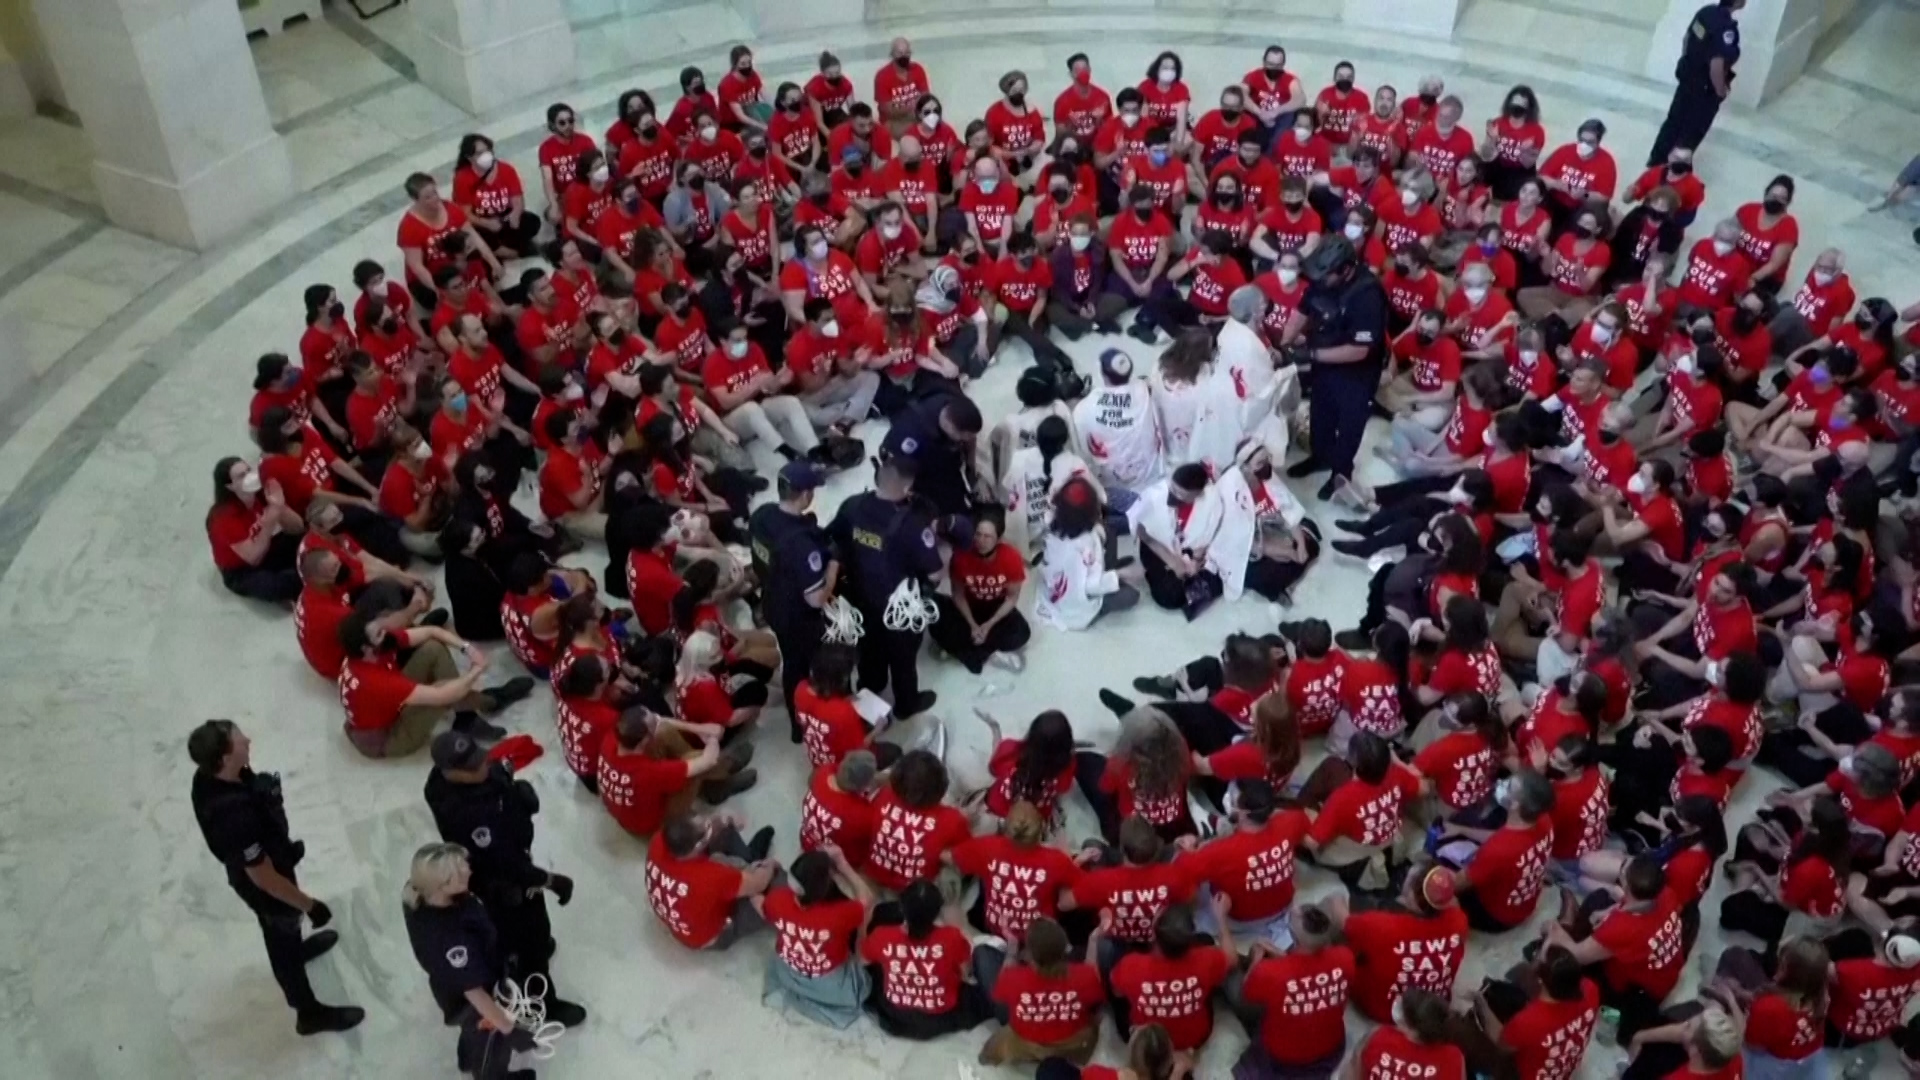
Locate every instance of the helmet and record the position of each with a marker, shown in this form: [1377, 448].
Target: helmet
[1332, 259]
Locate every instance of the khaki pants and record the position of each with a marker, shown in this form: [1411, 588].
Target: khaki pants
[431, 663]
[844, 399]
[776, 421]
[1006, 1048]
[589, 523]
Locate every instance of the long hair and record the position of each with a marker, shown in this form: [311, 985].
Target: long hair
[1801, 975]
[1187, 357]
[1277, 733]
[433, 868]
[1045, 753]
[1152, 745]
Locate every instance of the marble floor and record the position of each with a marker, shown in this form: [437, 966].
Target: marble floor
[122, 952]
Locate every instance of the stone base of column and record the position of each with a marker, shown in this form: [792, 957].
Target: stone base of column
[1427, 18]
[768, 17]
[200, 212]
[1776, 37]
[482, 54]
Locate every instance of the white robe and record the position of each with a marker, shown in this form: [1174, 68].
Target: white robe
[1233, 544]
[1120, 431]
[1073, 580]
[1244, 357]
[1030, 493]
[1177, 407]
[1218, 423]
[1213, 522]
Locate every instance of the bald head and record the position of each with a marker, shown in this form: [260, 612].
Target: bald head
[1247, 304]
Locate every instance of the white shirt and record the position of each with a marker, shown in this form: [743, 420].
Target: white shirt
[1072, 581]
[1120, 431]
[1030, 485]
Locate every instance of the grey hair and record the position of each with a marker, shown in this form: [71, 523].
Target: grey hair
[1246, 303]
[1728, 228]
[1478, 273]
[434, 866]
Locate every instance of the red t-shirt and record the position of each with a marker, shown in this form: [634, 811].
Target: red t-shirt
[1176, 994]
[1461, 766]
[1584, 177]
[991, 212]
[1004, 764]
[652, 584]
[1019, 133]
[1869, 998]
[908, 843]
[1391, 1055]
[1048, 1011]
[583, 725]
[987, 579]
[1255, 868]
[814, 940]
[373, 692]
[831, 816]
[1509, 870]
[693, 897]
[1396, 950]
[316, 625]
[1712, 279]
[1136, 241]
[1305, 996]
[1646, 946]
[1368, 814]
[635, 787]
[1548, 1038]
[1020, 884]
[1782, 1029]
[1019, 289]
[1571, 269]
[1812, 886]
[1580, 810]
[1081, 115]
[230, 523]
[1442, 152]
[830, 728]
[1137, 894]
[922, 976]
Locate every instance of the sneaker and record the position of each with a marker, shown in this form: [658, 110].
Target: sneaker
[565, 1013]
[1106, 326]
[719, 791]
[933, 740]
[1160, 686]
[329, 1018]
[787, 452]
[739, 755]
[591, 783]
[1353, 641]
[1143, 333]
[920, 703]
[1350, 548]
[1115, 704]
[761, 843]
[1304, 468]
[470, 724]
[437, 617]
[317, 945]
[1327, 490]
[509, 692]
[1349, 525]
[1012, 661]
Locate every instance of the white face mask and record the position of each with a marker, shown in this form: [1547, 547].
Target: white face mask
[1685, 365]
[1529, 357]
[1823, 278]
[1553, 404]
[422, 451]
[1458, 497]
[931, 121]
[250, 483]
[1167, 74]
[599, 174]
[817, 250]
[891, 232]
[483, 161]
[1408, 199]
[1588, 149]
[1638, 485]
[1302, 134]
[1080, 243]
[1502, 790]
[830, 328]
[708, 134]
[1602, 334]
[988, 183]
[1354, 230]
[1399, 1013]
[1476, 293]
[1722, 248]
[1287, 275]
[736, 349]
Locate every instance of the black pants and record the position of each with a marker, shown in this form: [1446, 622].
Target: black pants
[889, 658]
[1019, 325]
[1341, 403]
[1689, 118]
[287, 957]
[1398, 525]
[274, 579]
[1168, 589]
[1843, 723]
[485, 1054]
[526, 937]
[799, 641]
[518, 239]
[950, 632]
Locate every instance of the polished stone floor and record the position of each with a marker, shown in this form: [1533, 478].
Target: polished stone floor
[123, 954]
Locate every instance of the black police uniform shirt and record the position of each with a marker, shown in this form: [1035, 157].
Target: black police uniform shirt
[458, 948]
[1713, 32]
[883, 543]
[915, 434]
[798, 561]
[493, 820]
[245, 824]
[765, 526]
[1356, 314]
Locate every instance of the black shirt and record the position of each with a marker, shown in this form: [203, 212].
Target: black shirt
[493, 820]
[1356, 316]
[882, 543]
[457, 947]
[244, 822]
[474, 595]
[798, 553]
[1712, 33]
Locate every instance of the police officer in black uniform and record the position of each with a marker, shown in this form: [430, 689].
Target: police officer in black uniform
[1705, 75]
[938, 434]
[1346, 344]
[244, 819]
[478, 804]
[884, 537]
[454, 939]
[797, 571]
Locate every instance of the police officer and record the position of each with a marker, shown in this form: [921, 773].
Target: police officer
[454, 939]
[884, 537]
[478, 804]
[1705, 75]
[1346, 344]
[938, 434]
[797, 572]
[244, 820]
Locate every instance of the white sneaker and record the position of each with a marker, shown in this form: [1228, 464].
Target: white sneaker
[1012, 661]
[933, 740]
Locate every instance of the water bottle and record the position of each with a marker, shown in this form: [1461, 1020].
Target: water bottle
[1607, 1030]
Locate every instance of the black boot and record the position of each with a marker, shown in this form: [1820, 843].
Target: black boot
[324, 1018]
[1118, 705]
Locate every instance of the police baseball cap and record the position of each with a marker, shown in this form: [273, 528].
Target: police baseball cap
[461, 752]
[801, 476]
[1332, 258]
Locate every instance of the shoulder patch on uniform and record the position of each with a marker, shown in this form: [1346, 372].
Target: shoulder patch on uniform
[1730, 37]
[815, 562]
[457, 956]
[482, 836]
[253, 852]
[908, 445]
[1363, 337]
[926, 536]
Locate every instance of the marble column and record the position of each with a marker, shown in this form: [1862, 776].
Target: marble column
[166, 90]
[1776, 37]
[1428, 18]
[15, 100]
[482, 54]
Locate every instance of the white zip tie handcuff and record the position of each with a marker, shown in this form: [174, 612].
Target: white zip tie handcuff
[527, 1004]
[906, 612]
[844, 624]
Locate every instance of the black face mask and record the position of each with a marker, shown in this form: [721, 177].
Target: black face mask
[1173, 501]
[390, 325]
[1609, 437]
[1745, 320]
[1231, 115]
[1061, 195]
[630, 203]
[791, 108]
[696, 89]
[1679, 168]
[1343, 85]
[970, 258]
[758, 153]
[1144, 213]
[337, 311]
[821, 199]
[855, 168]
[1264, 473]
[649, 128]
[1703, 335]
[1517, 112]
[1657, 216]
[902, 317]
[680, 309]
[1274, 71]
[1294, 207]
[1427, 337]
[1227, 199]
[1860, 322]
[903, 62]
[1429, 99]
[1906, 374]
[1584, 232]
[1774, 206]
[695, 183]
[745, 71]
[1018, 101]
